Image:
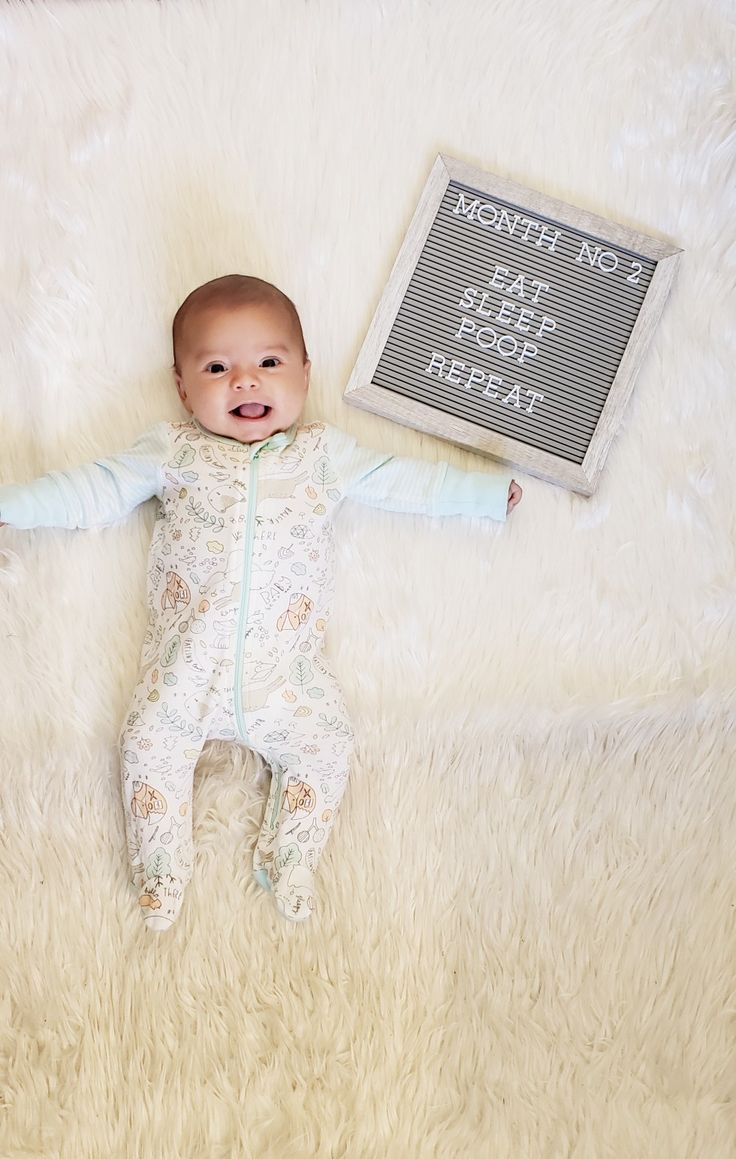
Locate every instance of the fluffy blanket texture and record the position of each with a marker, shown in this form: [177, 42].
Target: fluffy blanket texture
[525, 943]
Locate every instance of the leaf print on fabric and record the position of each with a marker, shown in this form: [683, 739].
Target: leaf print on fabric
[176, 723]
[301, 672]
[196, 510]
[323, 473]
[182, 458]
[170, 652]
[291, 855]
[333, 724]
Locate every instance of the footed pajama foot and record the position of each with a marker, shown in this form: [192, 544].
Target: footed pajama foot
[293, 890]
[153, 922]
[160, 906]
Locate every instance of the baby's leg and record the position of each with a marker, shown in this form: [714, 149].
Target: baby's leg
[309, 745]
[159, 751]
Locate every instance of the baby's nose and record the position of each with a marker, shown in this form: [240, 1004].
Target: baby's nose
[245, 380]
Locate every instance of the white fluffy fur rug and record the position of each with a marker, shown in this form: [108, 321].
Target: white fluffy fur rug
[526, 939]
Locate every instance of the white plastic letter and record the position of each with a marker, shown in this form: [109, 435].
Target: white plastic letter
[609, 257]
[482, 308]
[585, 252]
[454, 367]
[493, 281]
[524, 316]
[535, 395]
[467, 326]
[511, 350]
[529, 350]
[468, 210]
[486, 330]
[475, 375]
[514, 395]
[504, 219]
[502, 316]
[492, 209]
[441, 362]
[546, 324]
[553, 234]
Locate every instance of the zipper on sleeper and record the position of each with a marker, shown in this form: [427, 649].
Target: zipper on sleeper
[245, 595]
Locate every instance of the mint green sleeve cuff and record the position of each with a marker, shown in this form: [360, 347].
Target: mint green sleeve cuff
[94, 494]
[413, 487]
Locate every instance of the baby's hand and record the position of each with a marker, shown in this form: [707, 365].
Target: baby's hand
[515, 494]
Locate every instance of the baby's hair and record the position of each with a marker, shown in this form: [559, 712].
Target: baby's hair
[234, 290]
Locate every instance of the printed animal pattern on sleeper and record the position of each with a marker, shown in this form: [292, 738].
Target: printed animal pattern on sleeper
[239, 592]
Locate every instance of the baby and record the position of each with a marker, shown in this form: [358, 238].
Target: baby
[239, 584]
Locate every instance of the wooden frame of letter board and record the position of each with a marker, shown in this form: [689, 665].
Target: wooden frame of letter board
[362, 392]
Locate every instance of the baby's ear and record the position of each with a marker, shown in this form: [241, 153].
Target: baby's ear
[181, 390]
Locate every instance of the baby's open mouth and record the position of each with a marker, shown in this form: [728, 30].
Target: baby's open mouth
[250, 410]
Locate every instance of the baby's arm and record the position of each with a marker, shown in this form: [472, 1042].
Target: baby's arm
[412, 486]
[92, 495]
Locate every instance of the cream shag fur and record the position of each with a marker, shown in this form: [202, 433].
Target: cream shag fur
[526, 939]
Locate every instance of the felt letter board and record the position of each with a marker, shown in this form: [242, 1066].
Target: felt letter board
[513, 324]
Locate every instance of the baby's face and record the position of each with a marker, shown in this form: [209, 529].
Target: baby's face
[241, 371]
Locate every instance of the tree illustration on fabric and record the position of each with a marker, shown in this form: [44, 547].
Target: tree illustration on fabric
[323, 473]
[159, 866]
[301, 672]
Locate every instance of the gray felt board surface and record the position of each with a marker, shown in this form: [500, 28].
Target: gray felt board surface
[452, 320]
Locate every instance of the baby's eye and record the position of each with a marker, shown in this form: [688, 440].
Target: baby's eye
[269, 362]
[215, 367]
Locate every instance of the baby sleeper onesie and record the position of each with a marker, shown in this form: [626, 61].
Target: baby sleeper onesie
[239, 591]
